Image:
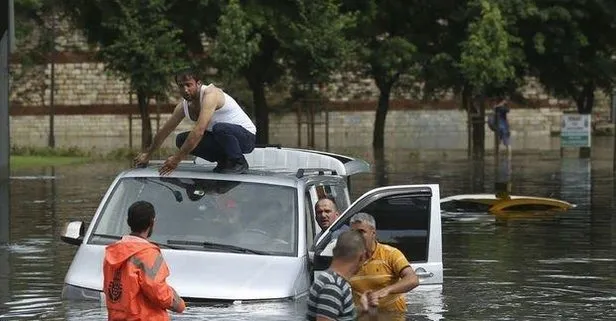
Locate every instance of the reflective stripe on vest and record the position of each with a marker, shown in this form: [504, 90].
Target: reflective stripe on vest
[150, 272]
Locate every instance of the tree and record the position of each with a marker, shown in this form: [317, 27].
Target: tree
[570, 47]
[485, 60]
[33, 47]
[316, 45]
[387, 50]
[262, 41]
[137, 42]
[36, 29]
[470, 48]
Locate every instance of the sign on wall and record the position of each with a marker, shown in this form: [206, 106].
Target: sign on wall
[575, 131]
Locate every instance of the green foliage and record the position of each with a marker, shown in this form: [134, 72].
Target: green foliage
[316, 42]
[388, 58]
[306, 37]
[145, 48]
[569, 46]
[20, 162]
[48, 151]
[77, 152]
[236, 42]
[486, 59]
[386, 39]
[34, 43]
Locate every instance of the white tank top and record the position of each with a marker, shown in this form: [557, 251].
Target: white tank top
[230, 113]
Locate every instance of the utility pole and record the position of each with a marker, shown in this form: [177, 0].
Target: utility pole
[613, 114]
[52, 55]
[6, 30]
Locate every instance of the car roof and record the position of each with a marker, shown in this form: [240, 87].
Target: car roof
[198, 171]
[268, 164]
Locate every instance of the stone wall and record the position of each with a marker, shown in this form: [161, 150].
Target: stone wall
[81, 81]
[415, 129]
[85, 83]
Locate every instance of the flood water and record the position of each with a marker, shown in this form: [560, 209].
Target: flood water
[527, 267]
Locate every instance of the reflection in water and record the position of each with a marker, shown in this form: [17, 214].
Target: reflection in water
[503, 175]
[558, 267]
[4, 211]
[5, 267]
[477, 177]
[575, 176]
[5, 271]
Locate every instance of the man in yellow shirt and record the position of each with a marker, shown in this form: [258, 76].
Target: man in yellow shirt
[387, 272]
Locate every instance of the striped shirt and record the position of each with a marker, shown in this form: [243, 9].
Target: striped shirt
[330, 296]
[381, 270]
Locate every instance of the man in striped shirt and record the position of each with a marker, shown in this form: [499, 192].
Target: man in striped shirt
[330, 296]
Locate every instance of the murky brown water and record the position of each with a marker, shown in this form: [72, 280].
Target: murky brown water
[527, 268]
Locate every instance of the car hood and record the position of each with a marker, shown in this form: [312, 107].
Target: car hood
[209, 275]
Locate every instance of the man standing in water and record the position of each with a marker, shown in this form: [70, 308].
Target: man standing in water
[386, 276]
[499, 123]
[223, 132]
[330, 297]
[135, 273]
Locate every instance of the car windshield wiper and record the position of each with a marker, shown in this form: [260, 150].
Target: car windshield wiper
[117, 237]
[233, 248]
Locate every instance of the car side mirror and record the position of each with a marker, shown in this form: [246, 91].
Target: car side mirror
[73, 233]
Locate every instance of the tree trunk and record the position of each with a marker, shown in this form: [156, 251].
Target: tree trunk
[146, 126]
[478, 176]
[262, 70]
[378, 137]
[380, 167]
[479, 133]
[261, 109]
[468, 106]
[585, 102]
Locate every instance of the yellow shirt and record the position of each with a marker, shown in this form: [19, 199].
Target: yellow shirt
[381, 270]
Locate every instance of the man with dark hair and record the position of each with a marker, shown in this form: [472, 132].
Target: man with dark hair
[223, 132]
[330, 296]
[326, 212]
[135, 273]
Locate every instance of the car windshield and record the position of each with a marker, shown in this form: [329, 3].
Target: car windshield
[193, 214]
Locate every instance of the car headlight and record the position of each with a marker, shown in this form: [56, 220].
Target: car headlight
[71, 292]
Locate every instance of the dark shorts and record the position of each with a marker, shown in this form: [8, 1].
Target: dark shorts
[225, 141]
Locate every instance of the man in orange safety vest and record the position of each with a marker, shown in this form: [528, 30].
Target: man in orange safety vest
[135, 273]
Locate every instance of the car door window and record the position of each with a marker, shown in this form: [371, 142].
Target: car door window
[404, 222]
[341, 196]
[335, 191]
[309, 209]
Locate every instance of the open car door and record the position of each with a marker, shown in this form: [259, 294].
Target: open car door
[407, 217]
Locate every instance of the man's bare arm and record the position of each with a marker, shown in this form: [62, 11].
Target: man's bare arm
[168, 127]
[408, 281]
[211, 100]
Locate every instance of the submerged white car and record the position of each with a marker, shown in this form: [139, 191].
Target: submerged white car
[250, 237]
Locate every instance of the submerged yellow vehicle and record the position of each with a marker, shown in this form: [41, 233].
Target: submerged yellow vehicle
[503, 204]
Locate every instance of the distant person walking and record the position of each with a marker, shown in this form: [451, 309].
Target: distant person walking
[499, 123]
